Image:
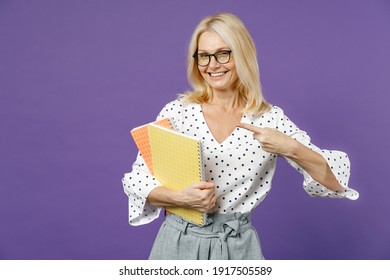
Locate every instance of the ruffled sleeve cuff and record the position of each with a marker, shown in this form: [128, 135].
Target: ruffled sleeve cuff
[137, 185]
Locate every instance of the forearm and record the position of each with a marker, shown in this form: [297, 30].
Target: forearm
[315, 165]
[164, 197]
[199, 196]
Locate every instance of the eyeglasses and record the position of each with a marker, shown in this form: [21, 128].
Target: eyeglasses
[203, 59]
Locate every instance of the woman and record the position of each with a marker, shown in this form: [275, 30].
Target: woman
[242, 135]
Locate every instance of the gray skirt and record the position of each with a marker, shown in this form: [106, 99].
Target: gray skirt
[225, 236]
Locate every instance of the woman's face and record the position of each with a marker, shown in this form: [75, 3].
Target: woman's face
[220, 77]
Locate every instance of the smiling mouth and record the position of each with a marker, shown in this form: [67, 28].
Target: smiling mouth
[218, 74]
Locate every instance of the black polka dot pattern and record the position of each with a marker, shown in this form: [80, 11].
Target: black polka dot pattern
[241, 171]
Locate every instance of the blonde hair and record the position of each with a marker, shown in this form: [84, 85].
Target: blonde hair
[231, 29]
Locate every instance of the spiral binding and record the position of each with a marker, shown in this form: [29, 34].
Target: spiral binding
[174, 124]
[201, 171]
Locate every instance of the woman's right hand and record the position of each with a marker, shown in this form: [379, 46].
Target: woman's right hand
[199, 196]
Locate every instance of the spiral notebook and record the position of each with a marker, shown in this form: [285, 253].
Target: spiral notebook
[177, 163]
[141, 139]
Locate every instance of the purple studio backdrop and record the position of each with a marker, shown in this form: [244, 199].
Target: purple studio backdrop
[76, 76]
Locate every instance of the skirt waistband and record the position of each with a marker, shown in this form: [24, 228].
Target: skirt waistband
[217, 225]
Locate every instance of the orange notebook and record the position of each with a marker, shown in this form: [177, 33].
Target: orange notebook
[141, 138]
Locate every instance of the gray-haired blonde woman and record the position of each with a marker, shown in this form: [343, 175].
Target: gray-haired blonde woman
[242, 135]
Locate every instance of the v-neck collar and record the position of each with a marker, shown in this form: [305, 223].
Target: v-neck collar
[231, 135]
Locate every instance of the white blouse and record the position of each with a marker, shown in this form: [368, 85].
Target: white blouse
[239, 168]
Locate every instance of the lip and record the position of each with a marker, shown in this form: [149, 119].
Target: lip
[219, 74]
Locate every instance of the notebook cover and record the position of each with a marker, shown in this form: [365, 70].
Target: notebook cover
[177, 163]
[141, 139]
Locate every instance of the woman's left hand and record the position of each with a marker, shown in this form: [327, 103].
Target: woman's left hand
[272, 140]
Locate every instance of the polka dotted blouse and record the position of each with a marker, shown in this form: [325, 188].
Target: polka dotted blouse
[241, 171]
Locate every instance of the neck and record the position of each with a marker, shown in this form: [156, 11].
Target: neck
[227, 101]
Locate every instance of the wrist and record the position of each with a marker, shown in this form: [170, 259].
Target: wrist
[293, 149]
[164, 197]
[177, 198]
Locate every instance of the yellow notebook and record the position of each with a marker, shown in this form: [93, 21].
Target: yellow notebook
[177, 163]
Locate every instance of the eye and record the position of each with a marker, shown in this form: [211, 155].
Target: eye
[203, 55]
[223, 53]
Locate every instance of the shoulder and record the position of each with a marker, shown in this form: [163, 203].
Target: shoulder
[275, 117]
[171, 107]
[180, 112]
[272, 114]
[175, 109]
[276, 111]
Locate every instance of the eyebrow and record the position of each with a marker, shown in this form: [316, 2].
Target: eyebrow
[219, 49]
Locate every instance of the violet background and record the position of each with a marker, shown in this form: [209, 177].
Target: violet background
[76, 76]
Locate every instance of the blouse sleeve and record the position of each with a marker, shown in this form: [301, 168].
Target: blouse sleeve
[338, 161]
[138, 183]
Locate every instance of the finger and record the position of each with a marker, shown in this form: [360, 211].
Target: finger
[249, 127]
[214, 202]
[213, 206]
[204, 185]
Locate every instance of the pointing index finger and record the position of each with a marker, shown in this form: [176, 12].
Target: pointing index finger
[249, 127]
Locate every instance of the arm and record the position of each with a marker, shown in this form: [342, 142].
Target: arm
[199, 196]
[274, 141]
[314, 164]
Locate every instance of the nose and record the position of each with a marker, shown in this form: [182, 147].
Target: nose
[213, 62]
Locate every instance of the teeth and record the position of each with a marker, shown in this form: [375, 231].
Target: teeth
[216, 74]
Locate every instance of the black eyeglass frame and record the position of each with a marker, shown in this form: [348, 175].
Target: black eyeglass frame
[195, 56]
